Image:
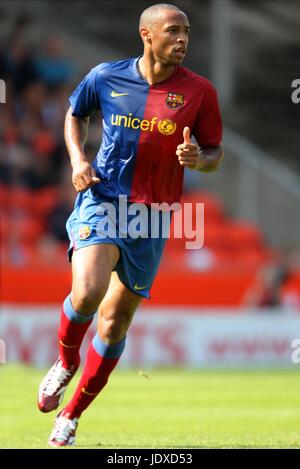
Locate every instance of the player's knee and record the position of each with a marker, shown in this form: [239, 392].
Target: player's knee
[113, 330]
[85, 305]
[86, 301]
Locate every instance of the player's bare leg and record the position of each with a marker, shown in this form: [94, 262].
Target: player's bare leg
[116, 311]
[115, 314]
[91, 268]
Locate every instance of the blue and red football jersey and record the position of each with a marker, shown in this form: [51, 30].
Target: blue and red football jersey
[143, 125]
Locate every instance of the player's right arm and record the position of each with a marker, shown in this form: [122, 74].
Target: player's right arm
[76, 131]
[84, 103]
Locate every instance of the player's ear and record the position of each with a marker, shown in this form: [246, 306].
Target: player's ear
[145, 35]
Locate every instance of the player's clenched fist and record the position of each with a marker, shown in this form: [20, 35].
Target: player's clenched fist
[188, 152]
[84, 176]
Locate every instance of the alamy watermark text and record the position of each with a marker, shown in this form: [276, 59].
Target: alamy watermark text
[2, 92]
[137, 220]
[296, 93]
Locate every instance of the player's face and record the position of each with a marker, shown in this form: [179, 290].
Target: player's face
[169, 37]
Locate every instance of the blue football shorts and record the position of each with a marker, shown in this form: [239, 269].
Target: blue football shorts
[139, 232]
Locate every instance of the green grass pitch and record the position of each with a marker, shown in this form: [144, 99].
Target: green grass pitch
[168, 409]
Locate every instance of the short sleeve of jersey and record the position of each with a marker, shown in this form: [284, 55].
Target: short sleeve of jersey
[208, 127]
[84, 100]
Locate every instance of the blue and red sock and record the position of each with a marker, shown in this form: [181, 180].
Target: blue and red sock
[100, 361]
[72, 329]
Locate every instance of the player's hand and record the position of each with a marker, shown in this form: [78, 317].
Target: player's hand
[188, 153]
[84, 176]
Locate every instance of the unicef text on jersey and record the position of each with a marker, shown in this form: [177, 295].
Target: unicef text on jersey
[138, 220]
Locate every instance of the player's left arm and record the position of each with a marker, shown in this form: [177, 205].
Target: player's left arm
[205, 159]
[207, 129]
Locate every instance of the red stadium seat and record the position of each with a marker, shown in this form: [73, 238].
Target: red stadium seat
[28, 230]
[45, 200]
[245, 235]
[21, 199]
[213, 207]
[4, 198]
[22, 230]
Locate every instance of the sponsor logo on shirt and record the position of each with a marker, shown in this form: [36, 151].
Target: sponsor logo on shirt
[164, 126]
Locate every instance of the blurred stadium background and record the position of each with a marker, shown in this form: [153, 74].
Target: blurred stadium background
[236, 302]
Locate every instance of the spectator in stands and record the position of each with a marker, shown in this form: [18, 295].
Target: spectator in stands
[61, 211]
[267, 290]
[53, 67]
[17, 58]
[32, 149]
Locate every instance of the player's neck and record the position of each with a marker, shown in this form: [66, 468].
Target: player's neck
[154, 72]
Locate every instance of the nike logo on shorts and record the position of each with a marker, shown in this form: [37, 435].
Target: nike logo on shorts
[136, 287]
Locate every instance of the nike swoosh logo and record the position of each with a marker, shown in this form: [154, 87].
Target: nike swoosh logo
[114, 94]
[88, 393]
[136, 287]
[68, 346]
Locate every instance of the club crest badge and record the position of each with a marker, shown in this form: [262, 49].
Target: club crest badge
[175, 100]
[84, 232]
